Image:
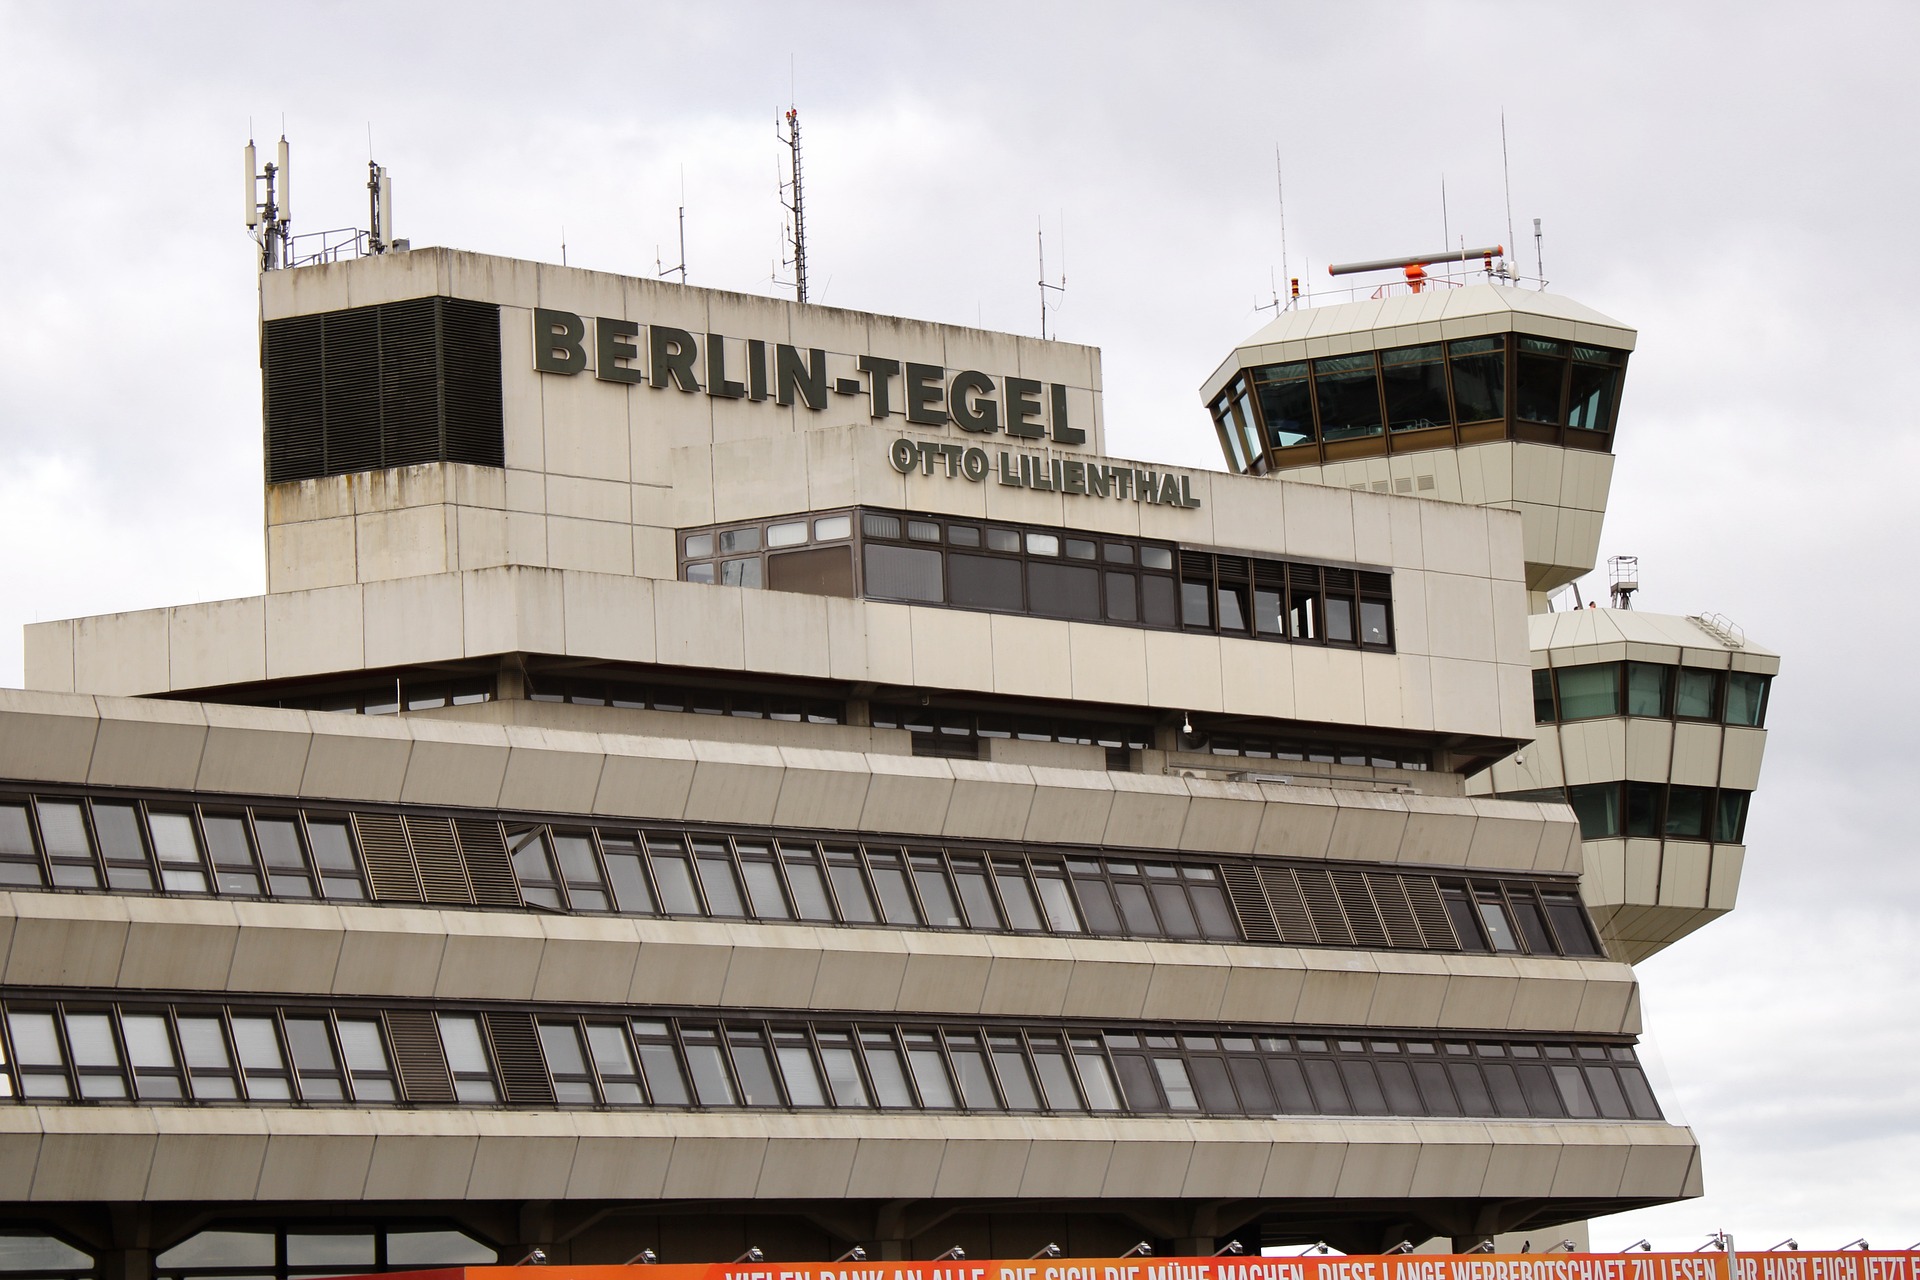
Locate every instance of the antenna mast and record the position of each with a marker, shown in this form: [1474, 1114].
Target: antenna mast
[1506, 174]
[379, 208]
[270, 221]
[1040, 235]
[797, 235]
[1293, 285]
[1539, 262]
[682, 268]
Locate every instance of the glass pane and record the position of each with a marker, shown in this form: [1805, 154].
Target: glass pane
[1415, 380]
[1137, 910]
[1016, 1079]
[1493, 915]
[627, 871]
[1587, 692]
[148, 1045]
[890, 880]
[221, 1249]
[118, 828]
[935, 895]
[1056, 1076]
[1123, 602]
[1648, 685]
[1173, 1078]
[1730, 817]
[1639, 1096]
[329, 1250]
[754, 1066]
[63, 830]
[1597, 805]
[717, 879]
[1286, 404]
[1504, 1084]
[1057, 898]
[227, 842]
[986, 582]
[1363, 1087]
[332, 847]
[1471, 1088]
[828, 528]
[1687, 809]
[363, 1046]
[798, 1069]
[970, 875]
[735, 541]
[1196, 608]
[91, 1037]
[560, 1043]
[577, 861]
[709, 1070]
[1096, 901]
[662, 1069]
[460, 1036]
[1064, 590]
[1210, 905]
[1156, 599]
[843, 1072]
[1746, 696]
[674, 874]
[259, 1049]
[1215, 1089]
[741, 573]
[1136, 1078]
[313, 1055]
[903, 573]
[1043, 544]
[1016, 893]
[1573, 1092]
[1693, 694]
[850, 888]
[763, 890]
[1533, 925]
[1348, 392]
[1174, 910]
[1643, 808]
[1538, 371]
[970, 1064]
[886, 1069]
[930, 1071]
[1543, 697]
[790, 534]
[436, 1249]
[1590, 398]
[1003, 540]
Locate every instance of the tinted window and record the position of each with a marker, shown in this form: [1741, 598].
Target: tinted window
[903, 573]
[985, 582]
[1065, 591]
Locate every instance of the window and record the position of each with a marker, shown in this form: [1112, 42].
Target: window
[19, 860]
[1589, 692]
[1347, 394]
[1693, 697]
[1543, 697]
[1479, 378]
[1415, 379]
[1597, 805]
[1730, 817]
[1540, 372]
[1592, 388]
[1286, 404]
[1746, 698]
[467, 1059]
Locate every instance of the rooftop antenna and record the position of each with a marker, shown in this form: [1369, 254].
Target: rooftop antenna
[682, 267]
[270, 220]
[1293, 281]
[1539, 261]
[796, 232]
[1446, 231]
[1506, 173]
[1623, 574]
[1041, 235]
[379, 208]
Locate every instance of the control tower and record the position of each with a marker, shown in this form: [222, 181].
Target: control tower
[1651, 726]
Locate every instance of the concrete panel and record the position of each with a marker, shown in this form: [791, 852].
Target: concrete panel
[19, 1151]
[772, 967]
[313, 632]
[389, 951]
[1110, 979]
[489, 956]
[121, 654]
[178, 944]
[807, 1164]
[990, 801]
[1263, 985]
[971, 1167]
[217, 643]
[620, 1157]
[551, 770]
[93, 1155]
[587, 959]
[1368, 826]
[1222, 817]
[1381, 1158]
[206, 1155]
[946, 973]
[1226, 1169]
[1189, 981]
[1147, 1167]
[710, 1164]
[1297, 823]
[824, 789]
[49, 656]
[608, 616]
[284, 946]
[253, 750]
[907, 794]
[1307, 1163]
[1070, 806]
[1148, 811]
[413, 620]
[1338, 987]
[644, 777]
[46, 735]
[785, 631]
[1409, 991]
[1185, 671]
[895, 1167]
[681, 962]
[952, 648]
[697, 625]
[734, 782]
[519, 1156]
[454, 763]
[357, 757]
[859, 969]
[66, 940]
[430, 1159]
[1058, 1167]
[148, 742]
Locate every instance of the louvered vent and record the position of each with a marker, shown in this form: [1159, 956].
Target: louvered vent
[488, 870]
[383, 842]
[443, 879]
[1340, 580]
[1289, 907]
[418, 1056]
[1232, 568]
[1431, 912]
[1196, 566]
[1362, 916]
[1388, 895]
[523, 1071]
[1269, 573]
[1376, 583]
[385, 386]
[1249, 903]
[1304, 577]
[1329, 921]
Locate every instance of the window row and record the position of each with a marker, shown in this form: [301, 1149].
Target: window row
[1045, 572]
[1650, 689]
[1652, 810]
[177, 847]
[1529, 387]
[955, 733]
[745, 704]
[864, 883]
[160, 1053]
[250, 1252]
[1267, 746]
[105, 1054]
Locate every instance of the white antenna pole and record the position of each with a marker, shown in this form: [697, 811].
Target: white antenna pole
[386, 207]
[286, 183]
[1539, 261]
[1040, 236]
[1446, 232]
[1506, 178]
[1280, 181]
[253, 187]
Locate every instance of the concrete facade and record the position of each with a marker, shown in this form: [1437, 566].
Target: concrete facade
[489, 769]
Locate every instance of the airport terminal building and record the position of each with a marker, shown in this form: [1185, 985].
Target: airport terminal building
[709, 772]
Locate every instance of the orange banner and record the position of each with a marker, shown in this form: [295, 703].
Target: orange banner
[1405, 1266]
[1850, 1265]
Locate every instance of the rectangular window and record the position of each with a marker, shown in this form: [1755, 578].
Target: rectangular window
[1543, 697]
[1746, 698]
[1540, 370]
[986, 582]
[63, 833]
[1415, 379]
[1730, 817]
[1347, 391]
[666, 1082]
[203, 1045]
[19, 861]
[1687, 812]
[1597, 805]
[234, 869]
[903, 573]
[1286, 404]
[1693, 695]
[1649, 686]
[1479, 378]
[96, 1055]
[1589, 692]
[332, 845]
[314, 1060]
[37, 1055]
[369, 1070]
[1064, 591]
[1643, 809]
[262, 1062]
[156, 1070]
[467, 1058]
[287, 873]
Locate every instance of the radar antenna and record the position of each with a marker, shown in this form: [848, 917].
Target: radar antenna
[271, 219]
[794, 233]
[1040, 235]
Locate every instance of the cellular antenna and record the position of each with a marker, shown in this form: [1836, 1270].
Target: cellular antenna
[379, 208]
[795, 233]
[269, 220]
[1040, 235]
[1539, 260]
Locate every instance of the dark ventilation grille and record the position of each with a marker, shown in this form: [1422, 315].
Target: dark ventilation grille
[1362, 916]
[1250, 903]
[1289, 908]
[487, 866]
[1402, 928]
[389, 864]
[416, 1049]
[1232, 568]
[442, 877]
[1196, 566]
[1435, 927]
[1266, 573]
[523, 1071]
[386, 386]
[1316, 886]
[1339, 580]
[1305, 576]
[1376, 582]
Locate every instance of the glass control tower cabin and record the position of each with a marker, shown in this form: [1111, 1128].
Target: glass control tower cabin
[710, 772]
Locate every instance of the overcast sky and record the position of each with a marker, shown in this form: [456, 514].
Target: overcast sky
[1737, 181]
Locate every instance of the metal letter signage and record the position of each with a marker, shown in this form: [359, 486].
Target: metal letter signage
[1087, 478]
[931, 396]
